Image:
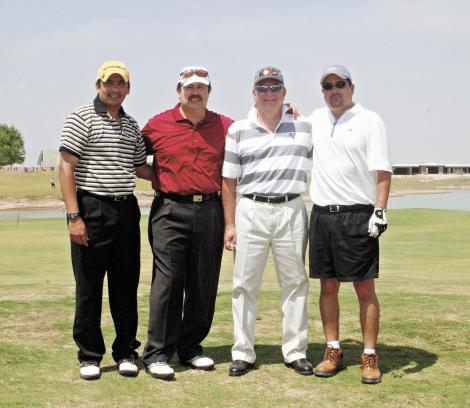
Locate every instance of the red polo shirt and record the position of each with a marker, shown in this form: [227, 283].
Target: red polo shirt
[188, 158]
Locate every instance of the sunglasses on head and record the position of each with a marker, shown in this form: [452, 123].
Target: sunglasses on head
[190, 72]
[328, 86]
[266, 88]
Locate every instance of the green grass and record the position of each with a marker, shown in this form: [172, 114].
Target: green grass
[37, 184]
[421, 182]
[424, 344]
[31, 185]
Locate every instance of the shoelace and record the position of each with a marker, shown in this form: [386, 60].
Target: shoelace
[370, 361]
[89, 363]
[127, 360]
[331, 354]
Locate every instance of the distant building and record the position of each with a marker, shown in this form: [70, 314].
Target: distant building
[48, 159]
[430, 168]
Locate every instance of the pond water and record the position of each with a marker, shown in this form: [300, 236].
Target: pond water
[455, 200]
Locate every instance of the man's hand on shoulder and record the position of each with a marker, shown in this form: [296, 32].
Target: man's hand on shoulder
[294, 111]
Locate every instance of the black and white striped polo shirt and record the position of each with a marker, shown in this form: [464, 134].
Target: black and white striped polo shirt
[265, 162]
[108, 152]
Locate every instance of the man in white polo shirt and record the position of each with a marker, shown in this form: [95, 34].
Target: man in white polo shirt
[351, 177]
[266, 158]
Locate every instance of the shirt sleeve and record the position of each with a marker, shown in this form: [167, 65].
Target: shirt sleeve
[309, 158]
[227, 122]
[231, 168]
[378, 151]
[140, 157]
[146, 131]
[74, 135]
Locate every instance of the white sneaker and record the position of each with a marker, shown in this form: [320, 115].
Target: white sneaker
[90, 370]
[201, 363]
[161, 370]
[128, 367]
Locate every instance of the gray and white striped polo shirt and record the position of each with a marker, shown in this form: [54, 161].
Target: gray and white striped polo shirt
[108, 152]
[265, 162]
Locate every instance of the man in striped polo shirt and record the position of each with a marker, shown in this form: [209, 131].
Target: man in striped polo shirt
[101, 151]
[266, 158]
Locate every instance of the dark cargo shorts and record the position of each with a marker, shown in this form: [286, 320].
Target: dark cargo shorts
[340, 246]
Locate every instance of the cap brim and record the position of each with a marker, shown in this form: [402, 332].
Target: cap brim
[324, 76]
[120, 72]
[195, 80]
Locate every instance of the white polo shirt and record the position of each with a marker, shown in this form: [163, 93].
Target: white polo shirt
[265, 162]
[346, 154]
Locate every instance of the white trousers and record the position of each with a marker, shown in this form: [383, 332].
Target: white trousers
[283, 228]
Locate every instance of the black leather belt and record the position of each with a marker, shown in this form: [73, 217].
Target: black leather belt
[343, 208]
[190, 198]
[117, 198]
[271, 199]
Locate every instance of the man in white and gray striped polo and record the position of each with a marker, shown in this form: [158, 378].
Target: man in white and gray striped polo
[101, 152]
[266, 158]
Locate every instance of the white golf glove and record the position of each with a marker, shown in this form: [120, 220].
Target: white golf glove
[377, 222]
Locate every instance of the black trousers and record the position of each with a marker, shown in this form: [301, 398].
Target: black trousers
[187, 245]
[114, 247]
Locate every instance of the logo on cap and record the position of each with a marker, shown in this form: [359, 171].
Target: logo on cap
[268, 73]
[109, 68]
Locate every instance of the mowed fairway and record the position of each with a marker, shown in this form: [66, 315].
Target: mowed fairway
[424, 343]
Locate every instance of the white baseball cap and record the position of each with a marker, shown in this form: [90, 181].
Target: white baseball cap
[193, 74]
[339, 70]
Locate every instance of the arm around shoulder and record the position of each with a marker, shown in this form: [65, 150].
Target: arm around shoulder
[144, 171]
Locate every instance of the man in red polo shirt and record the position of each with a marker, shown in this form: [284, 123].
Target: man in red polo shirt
[186, 225]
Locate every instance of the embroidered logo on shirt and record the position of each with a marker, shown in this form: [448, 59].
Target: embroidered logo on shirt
[291, 134]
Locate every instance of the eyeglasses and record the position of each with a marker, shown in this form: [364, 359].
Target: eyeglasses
[266, 88]
[328, 86]
[109, 84]
[190, 72]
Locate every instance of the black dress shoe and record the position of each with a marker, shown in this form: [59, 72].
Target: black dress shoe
[239, 367]
[301, 366]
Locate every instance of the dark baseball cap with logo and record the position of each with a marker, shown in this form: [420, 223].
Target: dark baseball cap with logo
[268, 73]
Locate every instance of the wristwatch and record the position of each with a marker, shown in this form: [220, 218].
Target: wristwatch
[73, 216]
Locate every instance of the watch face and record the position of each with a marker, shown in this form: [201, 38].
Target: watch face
[73, 216]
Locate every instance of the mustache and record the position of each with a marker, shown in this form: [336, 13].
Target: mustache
[195, 97]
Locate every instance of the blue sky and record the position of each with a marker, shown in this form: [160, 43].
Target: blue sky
[409, 61]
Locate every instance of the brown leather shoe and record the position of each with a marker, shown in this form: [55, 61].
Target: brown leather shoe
[370, 369]
[331, 364]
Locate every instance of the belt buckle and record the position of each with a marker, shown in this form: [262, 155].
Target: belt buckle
[197, 198]
[334, 208]
[120, 198]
